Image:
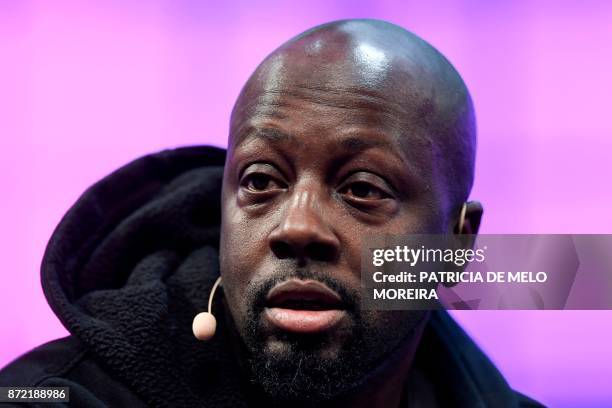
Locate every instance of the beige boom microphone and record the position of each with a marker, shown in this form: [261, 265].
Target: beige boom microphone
[204, 324]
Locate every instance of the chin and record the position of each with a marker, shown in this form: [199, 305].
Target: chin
[289, 347]
[287, 372]
[307, 369]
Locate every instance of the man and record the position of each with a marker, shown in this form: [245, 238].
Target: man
[352, 128]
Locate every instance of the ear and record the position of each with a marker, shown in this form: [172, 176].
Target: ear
[473, 215]
[467, 236]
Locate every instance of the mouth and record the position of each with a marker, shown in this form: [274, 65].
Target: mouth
[304, 306]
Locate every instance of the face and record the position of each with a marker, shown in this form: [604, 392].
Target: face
[310, 172]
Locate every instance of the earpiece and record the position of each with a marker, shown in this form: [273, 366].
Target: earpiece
[462, 217]
[204, 324]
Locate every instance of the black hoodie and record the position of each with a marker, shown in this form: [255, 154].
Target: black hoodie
[134, 260]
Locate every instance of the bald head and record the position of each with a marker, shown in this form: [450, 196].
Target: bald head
[362, 62]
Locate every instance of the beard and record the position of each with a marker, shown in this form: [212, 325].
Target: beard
[311, 369]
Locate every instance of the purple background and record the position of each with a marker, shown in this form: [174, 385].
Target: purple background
[87, 86]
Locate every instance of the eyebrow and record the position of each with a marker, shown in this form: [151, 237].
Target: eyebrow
[355, 144]
[352, 144]
[269, 134]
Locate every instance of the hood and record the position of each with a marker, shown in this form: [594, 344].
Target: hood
[129, 266]
[133, 261]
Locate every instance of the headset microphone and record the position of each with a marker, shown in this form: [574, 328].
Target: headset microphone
[204, 324]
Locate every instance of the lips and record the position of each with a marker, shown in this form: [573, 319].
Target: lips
[304, 306]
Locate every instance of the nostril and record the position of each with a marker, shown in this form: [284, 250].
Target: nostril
[282, 250]
[321, 251]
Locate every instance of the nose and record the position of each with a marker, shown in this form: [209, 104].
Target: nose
[303, 232]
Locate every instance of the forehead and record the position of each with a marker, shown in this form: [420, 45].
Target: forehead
[329, 124]
[318, 113]
[322, 128]
[357, 76]
[330, 99]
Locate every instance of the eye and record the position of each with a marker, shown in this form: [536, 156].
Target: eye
[364, 190]
[257, 182]
[364, 187]
[260, 182]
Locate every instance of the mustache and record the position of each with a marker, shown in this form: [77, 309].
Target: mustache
[257, 290]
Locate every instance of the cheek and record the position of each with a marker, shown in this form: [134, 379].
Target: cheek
[351, 254]
[241, 249]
